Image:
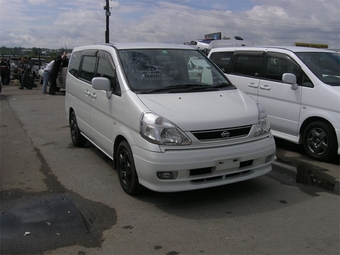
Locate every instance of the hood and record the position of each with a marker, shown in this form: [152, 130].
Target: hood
[335, 90]
[203, 111]
[329, 95]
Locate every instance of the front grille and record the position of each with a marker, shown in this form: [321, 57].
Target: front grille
[200, 171]
[221, 177]
[221, 134]
[246, 163]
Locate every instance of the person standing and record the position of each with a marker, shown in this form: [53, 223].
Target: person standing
[9, 71]
[57, 65]
[4, 71]
[31, 76]
[21, 71]
[47, 75]
[27, 79]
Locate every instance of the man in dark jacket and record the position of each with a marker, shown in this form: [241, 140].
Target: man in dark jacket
[54, 73]
[4, 71]
[24, 70]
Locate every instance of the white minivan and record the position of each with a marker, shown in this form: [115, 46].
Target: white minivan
[298, 87]
[165, 128]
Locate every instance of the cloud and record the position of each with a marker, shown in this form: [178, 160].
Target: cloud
[37, 2]
[22, 38]
[53, 23]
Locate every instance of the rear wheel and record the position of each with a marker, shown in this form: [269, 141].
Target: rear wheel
[77, 138]
[126, 169]
[319, 141]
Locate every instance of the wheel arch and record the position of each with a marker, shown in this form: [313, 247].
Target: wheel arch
[116, 143]
[310, 120]
[69, 111]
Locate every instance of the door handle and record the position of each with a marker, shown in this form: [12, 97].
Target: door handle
[94, 95]
[87, 92]
[253, 85]
[265, 87]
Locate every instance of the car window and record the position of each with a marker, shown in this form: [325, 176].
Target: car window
[305, 81]
[222, 60]
[74, 63]
[88, 68]
[277, 64]
[157, 69]
[247, 64]
[325, 65]
[106, 69]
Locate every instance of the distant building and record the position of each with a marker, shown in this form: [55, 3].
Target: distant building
[312, 45]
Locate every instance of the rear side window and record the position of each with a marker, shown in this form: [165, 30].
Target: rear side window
[88, 67]
[74, 63]
[222, 60]
[247, 64]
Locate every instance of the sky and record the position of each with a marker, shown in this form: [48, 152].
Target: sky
[56, 24]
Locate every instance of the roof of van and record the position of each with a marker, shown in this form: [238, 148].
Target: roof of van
[262, 47]
[136, 45]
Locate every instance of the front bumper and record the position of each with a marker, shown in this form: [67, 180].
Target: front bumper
[205, 167]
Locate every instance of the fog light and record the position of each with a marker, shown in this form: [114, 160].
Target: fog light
[269, 158]
[167, 175]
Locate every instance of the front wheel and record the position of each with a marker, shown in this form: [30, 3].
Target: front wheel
[77, 138]
[126, 169]
[319, 141]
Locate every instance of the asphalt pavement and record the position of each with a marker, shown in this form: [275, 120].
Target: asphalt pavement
[41, 169]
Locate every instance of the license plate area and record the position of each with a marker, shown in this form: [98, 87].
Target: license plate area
[227, 164]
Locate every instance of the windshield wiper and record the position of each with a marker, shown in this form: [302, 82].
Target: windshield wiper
[223, 85]
[189, 87]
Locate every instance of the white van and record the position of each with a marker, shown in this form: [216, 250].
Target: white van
[299, 88]
[164, 130]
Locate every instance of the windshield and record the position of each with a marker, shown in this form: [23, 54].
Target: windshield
[170, 71]
[325, 65]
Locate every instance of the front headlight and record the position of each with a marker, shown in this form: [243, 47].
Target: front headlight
[263, 125]
[159, 130]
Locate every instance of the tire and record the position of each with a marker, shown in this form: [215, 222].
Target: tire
[126, 169]
[319, 141]
[77, 138]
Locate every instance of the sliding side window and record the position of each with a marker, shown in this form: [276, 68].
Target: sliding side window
[247, 64]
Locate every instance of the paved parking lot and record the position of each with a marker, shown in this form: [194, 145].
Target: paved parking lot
[59, 199]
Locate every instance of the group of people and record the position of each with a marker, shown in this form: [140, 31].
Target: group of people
[25, 75]
[51, 73]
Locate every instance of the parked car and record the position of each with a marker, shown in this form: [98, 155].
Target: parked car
[299, 88]
[165, 131]
[41, 75]
[37, 64]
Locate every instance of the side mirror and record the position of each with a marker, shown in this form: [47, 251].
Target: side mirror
[102, 83]
[290, 79]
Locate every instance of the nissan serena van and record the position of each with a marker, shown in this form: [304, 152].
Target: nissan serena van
[168, 118]
[299, 88]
